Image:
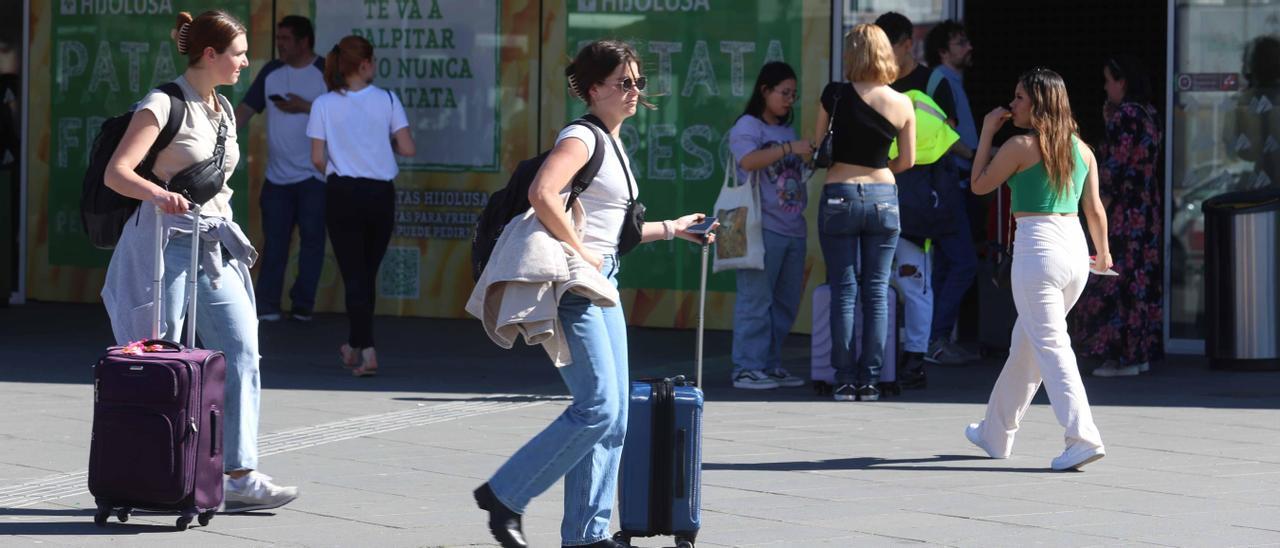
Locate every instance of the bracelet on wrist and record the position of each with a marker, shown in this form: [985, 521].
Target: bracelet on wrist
[668, 230]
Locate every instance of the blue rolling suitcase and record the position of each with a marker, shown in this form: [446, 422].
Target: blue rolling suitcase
[660, 481]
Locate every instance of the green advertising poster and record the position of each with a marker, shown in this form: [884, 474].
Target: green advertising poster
[106, 56]
[701, 58]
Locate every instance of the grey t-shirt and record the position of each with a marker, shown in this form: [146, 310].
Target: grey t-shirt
[195, 140]
[783, 195]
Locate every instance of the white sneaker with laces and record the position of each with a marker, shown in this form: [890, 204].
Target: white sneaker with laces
[784, 377]
[754, 380]
[255, 492]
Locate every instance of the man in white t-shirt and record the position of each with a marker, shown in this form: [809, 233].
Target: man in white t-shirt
[293, 194]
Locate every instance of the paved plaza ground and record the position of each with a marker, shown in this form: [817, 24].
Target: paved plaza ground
[1193, 454]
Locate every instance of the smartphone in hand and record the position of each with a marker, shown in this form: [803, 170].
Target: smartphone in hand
[703, 227]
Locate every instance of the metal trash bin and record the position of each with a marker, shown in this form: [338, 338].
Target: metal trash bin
[1242, 256]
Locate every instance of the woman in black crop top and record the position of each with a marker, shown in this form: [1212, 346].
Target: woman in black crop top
[859, 210]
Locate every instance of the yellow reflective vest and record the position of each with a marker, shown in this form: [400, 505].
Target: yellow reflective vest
[934, 136]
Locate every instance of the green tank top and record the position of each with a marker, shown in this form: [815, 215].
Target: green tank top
[1032, 193]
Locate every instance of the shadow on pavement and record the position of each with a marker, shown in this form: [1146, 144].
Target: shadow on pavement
[872, 463]
[57, 343]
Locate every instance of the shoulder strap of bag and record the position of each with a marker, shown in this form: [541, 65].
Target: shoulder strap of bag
[731, 174]
[177, 112]
[583, 178]
[935, 80]
[835, 103]
[391, 109]
[598, 129]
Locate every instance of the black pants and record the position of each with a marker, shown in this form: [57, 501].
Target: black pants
[360, 215]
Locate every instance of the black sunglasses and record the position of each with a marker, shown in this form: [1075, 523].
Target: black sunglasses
[627, 84]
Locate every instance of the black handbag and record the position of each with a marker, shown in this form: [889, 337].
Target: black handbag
[201, 181]
[822, 157]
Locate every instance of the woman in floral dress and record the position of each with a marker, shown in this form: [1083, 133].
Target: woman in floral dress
[1120, 318]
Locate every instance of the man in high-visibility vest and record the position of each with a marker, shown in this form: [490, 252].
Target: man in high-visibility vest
[922, 214]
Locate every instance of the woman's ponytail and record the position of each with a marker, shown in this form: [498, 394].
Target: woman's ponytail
[332, 76]
[344, 60]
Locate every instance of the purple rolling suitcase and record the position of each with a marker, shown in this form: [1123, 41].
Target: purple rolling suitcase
[157, 420]
[820, 370]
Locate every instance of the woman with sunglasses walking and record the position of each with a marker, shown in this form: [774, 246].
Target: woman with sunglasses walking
[584, 444]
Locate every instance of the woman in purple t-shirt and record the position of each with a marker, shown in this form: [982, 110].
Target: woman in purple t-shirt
[764, 146]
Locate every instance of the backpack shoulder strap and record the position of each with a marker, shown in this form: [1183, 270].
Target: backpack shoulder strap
[583, 178]
[177, 112]
[935, 80]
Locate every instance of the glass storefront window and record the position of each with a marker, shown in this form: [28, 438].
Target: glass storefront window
[1225, 131]
[11, 50]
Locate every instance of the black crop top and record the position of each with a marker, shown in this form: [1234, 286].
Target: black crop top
[861, 135]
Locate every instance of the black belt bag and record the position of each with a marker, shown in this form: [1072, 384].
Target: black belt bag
[201, 181]
[632, 226]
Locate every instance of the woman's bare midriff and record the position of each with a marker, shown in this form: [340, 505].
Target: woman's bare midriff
[841, 173]
[1021, 214]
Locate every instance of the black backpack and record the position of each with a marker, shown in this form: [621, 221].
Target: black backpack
[513, 199]
[103, 212]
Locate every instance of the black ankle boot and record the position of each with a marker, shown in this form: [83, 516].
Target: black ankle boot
[503, 522]
[911, 372]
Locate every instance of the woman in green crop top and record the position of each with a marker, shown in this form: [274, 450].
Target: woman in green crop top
[1051, 174]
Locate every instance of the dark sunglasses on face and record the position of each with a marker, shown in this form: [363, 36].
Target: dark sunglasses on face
[627, 84]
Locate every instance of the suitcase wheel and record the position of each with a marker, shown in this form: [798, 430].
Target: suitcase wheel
[100, 518]
[681, 543]
[622, 539]
[205, 517]
[123, 514]
[184, 520]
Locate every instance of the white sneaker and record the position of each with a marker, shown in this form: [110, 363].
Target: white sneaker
[1112, 368]
[1076, 456]
[784, 377]
[269, 317]
[255, 492]
[754, 380]
[971, 434]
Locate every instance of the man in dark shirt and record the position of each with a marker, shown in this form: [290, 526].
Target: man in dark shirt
[949, 53]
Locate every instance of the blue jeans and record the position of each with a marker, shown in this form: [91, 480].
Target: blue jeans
[955, 264]
[227, 322]
[767, 303]
[858, 219]
[283, 207]
[584, 444]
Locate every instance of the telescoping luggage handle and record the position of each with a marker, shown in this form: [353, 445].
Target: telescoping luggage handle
[702, 308]
[157, 283]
